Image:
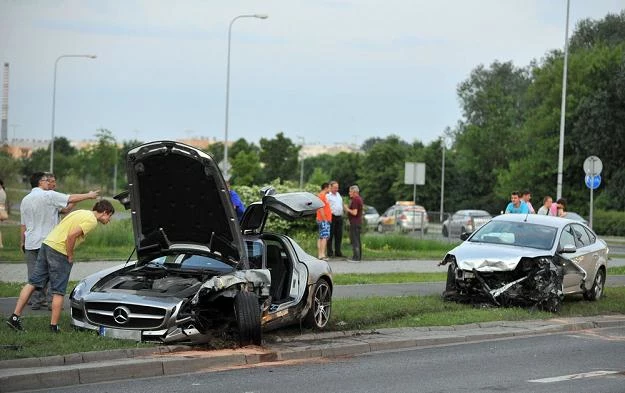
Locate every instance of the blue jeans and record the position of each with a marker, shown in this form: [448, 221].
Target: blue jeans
[51, 266]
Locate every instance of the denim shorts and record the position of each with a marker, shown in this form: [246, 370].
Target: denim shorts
[51, 266]
[324, 229]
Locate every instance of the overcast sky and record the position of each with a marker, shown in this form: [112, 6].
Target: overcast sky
[328, 71]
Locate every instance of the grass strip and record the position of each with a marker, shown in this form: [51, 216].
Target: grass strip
[347, 314]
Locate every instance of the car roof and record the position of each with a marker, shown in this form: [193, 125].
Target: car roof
[558, 222]
[473, 212]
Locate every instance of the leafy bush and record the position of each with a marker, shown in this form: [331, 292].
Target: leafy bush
[609, 223]
[250, 194]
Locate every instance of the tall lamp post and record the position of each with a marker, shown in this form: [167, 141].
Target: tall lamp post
[444, 146]
[56, 63]
[563, 108]
[226, 165]
[301, 155]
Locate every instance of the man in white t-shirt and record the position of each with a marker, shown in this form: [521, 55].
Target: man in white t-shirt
[336, 227]
[39, 214]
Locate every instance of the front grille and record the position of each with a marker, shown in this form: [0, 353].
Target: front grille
[77, 313]
[125, 316]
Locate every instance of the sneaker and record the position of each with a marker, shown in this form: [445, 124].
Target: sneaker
[15, 323]
[55, 329]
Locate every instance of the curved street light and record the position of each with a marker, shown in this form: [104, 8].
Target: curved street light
[56, 63]
[226, 168]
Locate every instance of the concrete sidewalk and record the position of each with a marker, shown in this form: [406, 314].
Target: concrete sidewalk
[93, 367]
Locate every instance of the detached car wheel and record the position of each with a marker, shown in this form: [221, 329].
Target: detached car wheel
[247, 314]
[319, 313]
[597, 287]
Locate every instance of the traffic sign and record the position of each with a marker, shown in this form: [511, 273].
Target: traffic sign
[593, 166]
[593, 182]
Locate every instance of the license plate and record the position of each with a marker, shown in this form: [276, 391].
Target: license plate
[124, 334]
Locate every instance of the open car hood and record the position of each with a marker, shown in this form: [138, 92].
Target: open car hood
[289, 206]
[177, 196]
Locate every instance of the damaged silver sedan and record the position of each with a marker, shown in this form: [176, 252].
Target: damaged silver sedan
[527, 261]
[200, 273]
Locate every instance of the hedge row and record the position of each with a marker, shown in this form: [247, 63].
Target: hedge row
[609, 223]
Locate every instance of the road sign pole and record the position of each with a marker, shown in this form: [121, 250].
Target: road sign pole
[592, 191]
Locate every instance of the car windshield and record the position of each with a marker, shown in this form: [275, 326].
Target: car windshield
[191, 262]
[519, 234]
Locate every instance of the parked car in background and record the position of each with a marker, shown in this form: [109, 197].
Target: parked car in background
[464, 221]
[527, 260]
[371, 216]
[199, 273]
[404, 216]
[576, 217]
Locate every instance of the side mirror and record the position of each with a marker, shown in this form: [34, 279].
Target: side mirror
[568, 249]
[464, 236]
[124, 198]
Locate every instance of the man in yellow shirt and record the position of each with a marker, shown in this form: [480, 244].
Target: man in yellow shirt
[54, 261]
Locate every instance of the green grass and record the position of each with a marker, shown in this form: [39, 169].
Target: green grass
[115, 242]
[387, 278]
[38, 341]
[347, 314]
[12, 289]
[416, 311]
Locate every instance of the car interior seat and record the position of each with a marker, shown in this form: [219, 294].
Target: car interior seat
[277, 267]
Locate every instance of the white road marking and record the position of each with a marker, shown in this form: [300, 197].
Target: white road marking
[574, 376]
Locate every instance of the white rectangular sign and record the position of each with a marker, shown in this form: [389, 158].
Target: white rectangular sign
[414, 173]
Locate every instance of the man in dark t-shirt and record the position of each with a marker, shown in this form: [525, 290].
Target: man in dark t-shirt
[354, 212]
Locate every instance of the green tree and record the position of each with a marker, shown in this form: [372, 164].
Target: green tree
[487, 139]
[246, 169]
[381, 174]
[280, 158]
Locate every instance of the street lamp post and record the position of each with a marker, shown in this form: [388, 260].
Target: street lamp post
[444, 146]
[56, 63]
[301, 172]
[563, 108]
[226, 168]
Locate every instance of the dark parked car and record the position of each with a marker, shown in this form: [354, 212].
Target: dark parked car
[464, 221]
[200, 272]
[527, 260]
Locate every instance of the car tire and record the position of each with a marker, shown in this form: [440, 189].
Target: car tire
[380, 228]
[597, 286]
[247, 314]
[319, 313]
[445, 232]
[451, 290]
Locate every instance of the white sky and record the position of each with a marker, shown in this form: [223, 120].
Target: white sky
[330, 71]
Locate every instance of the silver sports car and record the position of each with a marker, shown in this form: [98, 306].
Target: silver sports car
[527, 260]
[201, 273]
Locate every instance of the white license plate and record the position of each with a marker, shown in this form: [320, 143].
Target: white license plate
[124, 334]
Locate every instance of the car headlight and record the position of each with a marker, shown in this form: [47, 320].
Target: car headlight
[78, 290]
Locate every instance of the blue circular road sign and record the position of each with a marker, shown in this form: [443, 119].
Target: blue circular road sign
[593, 182]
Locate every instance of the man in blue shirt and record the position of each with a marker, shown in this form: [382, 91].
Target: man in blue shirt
[239, 207]
[516, 205]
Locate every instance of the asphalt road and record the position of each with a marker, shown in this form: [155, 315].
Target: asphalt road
[588, 360]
